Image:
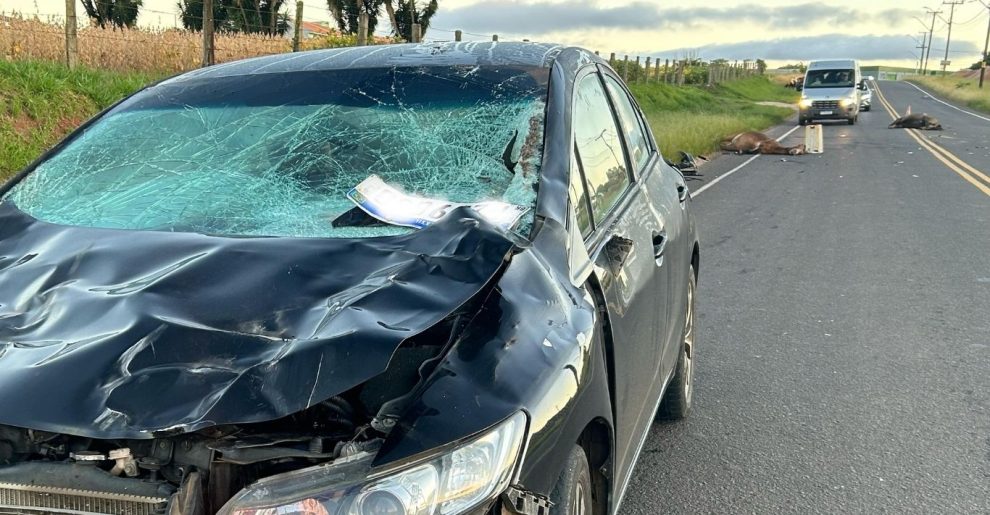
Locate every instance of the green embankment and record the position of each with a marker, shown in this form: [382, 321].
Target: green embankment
[41, 101]
[960, 90]
[694, 119]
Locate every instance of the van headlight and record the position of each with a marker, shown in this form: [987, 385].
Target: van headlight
[847, 102]
[805, 102]
[451, 483]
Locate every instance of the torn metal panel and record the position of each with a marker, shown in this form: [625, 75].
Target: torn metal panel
[533, 336]
[127, 334]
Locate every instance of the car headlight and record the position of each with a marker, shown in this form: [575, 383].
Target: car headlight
[805, 102]
[449, 484]
[846, 102]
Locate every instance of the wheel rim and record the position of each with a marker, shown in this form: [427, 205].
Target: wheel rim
[580, 508]
[689, 341]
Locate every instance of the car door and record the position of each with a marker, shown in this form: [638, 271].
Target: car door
[626, 244]
[665, 191]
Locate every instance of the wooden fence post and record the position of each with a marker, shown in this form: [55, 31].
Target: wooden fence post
[625, 68]
[71, 38]
[208, 55]
[666, 71]
[297, 30]
[458, 35]
[362, 35]
[611, 59]
[656, 69]
[494, 37]
[680, 73]
[636, 71]
[416, 33]
[646, 76]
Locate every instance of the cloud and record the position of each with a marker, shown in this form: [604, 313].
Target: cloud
[825, 46]
[542, 17]
[536, 18]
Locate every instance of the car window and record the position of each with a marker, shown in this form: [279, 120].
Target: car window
[276, 154]
[600, 151]
[579, 198]
[632, 127]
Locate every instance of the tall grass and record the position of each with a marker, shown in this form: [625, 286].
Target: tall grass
[41, 101]
[963, 90]
[143, 50]
[694, 119]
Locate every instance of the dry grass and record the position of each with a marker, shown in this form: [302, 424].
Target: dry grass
[131, 50]
[961, 88]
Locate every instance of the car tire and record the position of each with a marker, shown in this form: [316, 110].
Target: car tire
[867, 108]
[802, 121]
[677, 401]
[572, 495]
[852, 121]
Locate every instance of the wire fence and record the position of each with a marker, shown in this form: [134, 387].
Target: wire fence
[172, 50]
[680, 72]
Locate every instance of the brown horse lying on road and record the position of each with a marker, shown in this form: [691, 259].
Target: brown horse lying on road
[758, 143]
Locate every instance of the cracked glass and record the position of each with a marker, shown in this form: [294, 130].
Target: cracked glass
[275, 154]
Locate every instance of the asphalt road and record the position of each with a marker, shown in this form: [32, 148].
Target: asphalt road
[843, 363]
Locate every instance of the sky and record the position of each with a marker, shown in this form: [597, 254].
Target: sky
[778, 31]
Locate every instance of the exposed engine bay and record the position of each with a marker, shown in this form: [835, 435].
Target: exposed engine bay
[196, 473]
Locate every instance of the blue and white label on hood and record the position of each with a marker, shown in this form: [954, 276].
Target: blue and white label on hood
[394, 206]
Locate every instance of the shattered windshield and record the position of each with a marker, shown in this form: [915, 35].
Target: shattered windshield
[277, 154]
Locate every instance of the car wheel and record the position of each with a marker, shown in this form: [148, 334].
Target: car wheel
[677, 401]
[802, 122]
[867, 108]
[572, 494]
[852, 121]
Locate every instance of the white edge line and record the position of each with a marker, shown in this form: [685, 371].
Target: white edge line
[939, 100]
[736, 169]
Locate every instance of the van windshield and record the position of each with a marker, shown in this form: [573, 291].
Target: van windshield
[830, 79]
[276, 154]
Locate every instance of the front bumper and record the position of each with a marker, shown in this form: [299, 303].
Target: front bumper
[828, 112]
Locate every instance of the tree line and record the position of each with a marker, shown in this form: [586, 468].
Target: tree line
[271, 17]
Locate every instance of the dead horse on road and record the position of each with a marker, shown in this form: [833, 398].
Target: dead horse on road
[758, 143]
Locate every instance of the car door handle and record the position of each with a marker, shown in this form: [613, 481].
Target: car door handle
[659, 246]
[682, 192]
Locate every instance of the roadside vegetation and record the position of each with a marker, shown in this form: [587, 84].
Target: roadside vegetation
[694, 119]
[961, 89]
[41, 101]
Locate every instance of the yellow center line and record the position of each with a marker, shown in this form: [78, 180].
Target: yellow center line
[947, 158]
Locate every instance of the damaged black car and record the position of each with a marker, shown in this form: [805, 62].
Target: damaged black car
[431, 279]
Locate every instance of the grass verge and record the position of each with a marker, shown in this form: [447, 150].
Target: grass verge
[961, 90]
[41, 101]
[694, 119]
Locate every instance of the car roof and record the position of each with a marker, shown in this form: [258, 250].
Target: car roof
[827, 64]
[488, 53]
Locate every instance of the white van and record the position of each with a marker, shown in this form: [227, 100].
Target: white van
[832, 90]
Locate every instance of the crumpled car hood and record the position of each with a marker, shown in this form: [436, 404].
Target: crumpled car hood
[136, 334]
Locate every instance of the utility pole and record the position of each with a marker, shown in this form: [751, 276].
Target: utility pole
[71, 40]
[948, 38]
[986, 48]
[922, 46]
[931, 33]
[207, 33]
